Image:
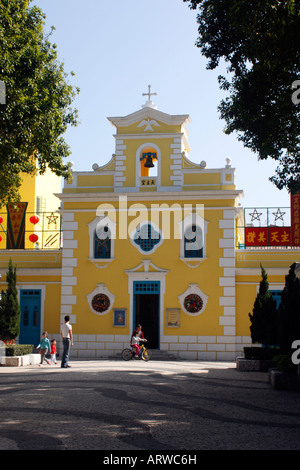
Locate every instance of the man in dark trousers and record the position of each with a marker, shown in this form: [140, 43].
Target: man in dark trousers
[67, 338]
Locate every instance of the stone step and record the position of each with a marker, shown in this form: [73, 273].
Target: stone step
[156, 355]
[159, 355]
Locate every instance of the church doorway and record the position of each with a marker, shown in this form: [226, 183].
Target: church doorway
[146, 310]
[30, 324]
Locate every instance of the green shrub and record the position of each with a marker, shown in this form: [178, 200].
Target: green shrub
[18, 349]
[263, 319]
[284, 363]
[10, 312]
[289, 311]
[260, 353]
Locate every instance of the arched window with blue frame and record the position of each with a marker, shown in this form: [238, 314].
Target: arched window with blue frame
[193, 242]
[102, 243]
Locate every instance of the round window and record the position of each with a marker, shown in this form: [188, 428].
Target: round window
[193, 303]
[100, 303]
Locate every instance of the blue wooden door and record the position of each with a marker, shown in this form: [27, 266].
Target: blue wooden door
[30, 327]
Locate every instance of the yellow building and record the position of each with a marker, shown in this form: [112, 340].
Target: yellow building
[152, 238]
[39, 262]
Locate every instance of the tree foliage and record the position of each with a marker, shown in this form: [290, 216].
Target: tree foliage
[38, 99]
[289, 310]
[264, 315]
[259, 40]
[9, 307]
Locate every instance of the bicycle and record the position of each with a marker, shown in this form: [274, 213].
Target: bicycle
[128, 354]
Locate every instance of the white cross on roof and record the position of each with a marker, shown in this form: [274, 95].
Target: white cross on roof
[149, 103]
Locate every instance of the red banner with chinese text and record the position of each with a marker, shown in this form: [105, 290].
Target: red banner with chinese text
[295, 219]
[279, 236]
[267, 236]
[256, 236]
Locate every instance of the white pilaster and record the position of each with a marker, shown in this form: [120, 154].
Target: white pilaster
[120, 160]
[228, 300]
[69, 262]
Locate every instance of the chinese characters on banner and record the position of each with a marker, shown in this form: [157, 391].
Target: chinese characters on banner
[268, 236]
[295, 219]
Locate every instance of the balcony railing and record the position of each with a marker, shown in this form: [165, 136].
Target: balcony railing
[42, 231]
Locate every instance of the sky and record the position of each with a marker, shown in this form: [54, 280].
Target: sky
[116, 49]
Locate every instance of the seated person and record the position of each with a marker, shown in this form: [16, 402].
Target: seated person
[135, 343]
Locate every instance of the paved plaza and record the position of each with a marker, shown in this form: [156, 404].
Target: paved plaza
[112, 405]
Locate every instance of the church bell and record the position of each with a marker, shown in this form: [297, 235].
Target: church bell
[149, 162]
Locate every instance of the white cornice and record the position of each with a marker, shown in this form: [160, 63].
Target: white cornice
[147, 135]
[154, 196]
[124, 121]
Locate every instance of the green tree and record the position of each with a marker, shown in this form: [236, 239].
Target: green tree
[9, 306]
[259, 40]
[289, 310]
[264, 315]
[38, 108]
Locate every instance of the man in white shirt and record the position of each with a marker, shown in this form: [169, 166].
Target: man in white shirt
[67, 338]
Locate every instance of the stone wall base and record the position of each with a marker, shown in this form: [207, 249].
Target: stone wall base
[253, 365]
[202, 348]
[20, 361]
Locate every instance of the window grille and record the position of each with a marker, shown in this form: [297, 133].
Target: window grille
[103, 244]
[146, 237]
[146, 287]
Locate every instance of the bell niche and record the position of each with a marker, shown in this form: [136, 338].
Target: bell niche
[148, 159]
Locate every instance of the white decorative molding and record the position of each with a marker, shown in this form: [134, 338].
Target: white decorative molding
[192, 262]
[145, 265]
[101, 263]
[193, 289]
[148, 123]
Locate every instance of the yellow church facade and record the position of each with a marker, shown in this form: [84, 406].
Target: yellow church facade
[151, 238]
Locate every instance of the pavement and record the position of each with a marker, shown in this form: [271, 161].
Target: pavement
[173, 407]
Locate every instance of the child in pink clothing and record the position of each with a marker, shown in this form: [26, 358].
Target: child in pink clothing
[136, 337]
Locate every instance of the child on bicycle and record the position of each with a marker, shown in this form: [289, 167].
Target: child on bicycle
[136, 337]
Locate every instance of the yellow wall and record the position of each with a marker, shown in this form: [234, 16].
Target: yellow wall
[167, 256]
